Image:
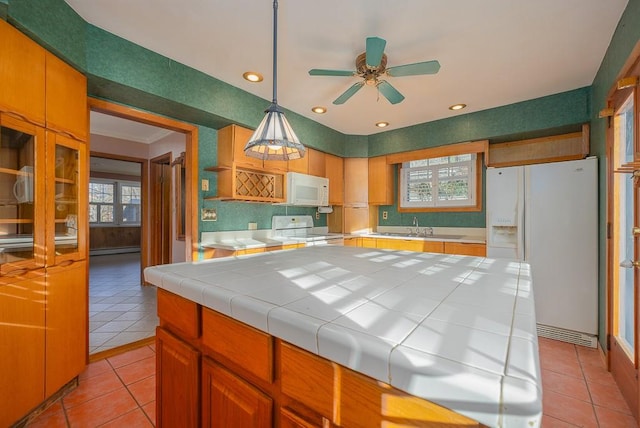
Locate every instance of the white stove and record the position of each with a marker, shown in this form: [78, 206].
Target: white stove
[300, 228]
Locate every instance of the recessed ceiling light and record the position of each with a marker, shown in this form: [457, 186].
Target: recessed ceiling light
[457, 107]
[319, 109]
[252, 76]
[382, 124]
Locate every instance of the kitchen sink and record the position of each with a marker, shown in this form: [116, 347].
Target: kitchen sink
[413, 235]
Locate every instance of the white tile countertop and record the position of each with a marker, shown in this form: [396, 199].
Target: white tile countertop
[459, 331]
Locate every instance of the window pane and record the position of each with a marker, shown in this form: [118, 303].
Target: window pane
[106, 213]
[101, 192]
[130, 194]
[131, 213]
[93, 213]
[420, 192]
[453, 190]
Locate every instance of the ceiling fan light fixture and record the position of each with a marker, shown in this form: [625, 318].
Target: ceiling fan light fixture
[274, 138]
[382, 124]
[457, 106]
[252, 76]
[319, 109]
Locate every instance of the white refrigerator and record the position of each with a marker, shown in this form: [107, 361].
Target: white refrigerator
[547, 215]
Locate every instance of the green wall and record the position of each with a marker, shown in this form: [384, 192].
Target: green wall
[123, 72]
[624, 40]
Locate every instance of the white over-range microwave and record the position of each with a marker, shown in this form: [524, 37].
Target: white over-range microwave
[307, 190]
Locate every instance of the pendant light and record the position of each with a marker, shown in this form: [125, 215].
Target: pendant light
[274, 138]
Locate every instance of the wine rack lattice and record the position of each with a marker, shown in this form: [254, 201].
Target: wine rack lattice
[256, 184]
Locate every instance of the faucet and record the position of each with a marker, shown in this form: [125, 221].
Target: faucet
[416, 225]
[428, 229]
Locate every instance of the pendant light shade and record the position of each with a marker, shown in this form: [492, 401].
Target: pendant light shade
[274, 138]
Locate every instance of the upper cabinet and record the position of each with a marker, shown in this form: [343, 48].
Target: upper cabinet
[300, 165]
[66, 99]
[231, 142]
[380, 181]
[356, 177]
[22, 208]
[22, 73]
[317, 165]
[334, 171]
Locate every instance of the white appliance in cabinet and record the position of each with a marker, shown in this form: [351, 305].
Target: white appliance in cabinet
[547, 215]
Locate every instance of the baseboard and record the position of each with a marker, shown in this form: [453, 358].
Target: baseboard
[569, 336]
[107, 251]
[121, 349]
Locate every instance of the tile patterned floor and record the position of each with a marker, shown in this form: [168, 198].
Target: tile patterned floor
[120, 392]
[121, 310]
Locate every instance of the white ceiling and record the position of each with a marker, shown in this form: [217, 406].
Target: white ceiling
[124, 129]
[492, 52]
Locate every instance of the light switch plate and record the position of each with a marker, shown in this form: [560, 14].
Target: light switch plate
[205, 185]
[209, 214]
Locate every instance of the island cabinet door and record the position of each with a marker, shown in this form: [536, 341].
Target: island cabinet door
[229, 401]
[177, 387]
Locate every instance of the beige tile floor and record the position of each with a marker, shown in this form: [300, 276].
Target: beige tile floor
[121, 310]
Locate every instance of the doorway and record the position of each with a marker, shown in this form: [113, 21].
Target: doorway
[134, 306]
[623, 212]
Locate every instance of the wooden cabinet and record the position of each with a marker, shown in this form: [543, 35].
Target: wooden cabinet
[43, 224]
[66, 334]
[249, 378]
[334, 171]
[317, 165]
[352, 242]
[380, 181]
[177, 382]
[66, 99]
[465, 248]
[369, 242]
[356, 177]
[22, 73]
[231, 142]
[229, 401]
[22, 341]
[400, 244]
[300, 165]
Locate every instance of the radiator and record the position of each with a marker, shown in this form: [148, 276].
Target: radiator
[568, 336]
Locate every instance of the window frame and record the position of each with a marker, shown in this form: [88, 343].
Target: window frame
[434, 170]
[117, 202]
[479, 148]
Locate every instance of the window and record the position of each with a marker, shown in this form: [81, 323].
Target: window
[113, 202]
[442, 182]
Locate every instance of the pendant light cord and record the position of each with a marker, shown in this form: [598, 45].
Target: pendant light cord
[275, 51]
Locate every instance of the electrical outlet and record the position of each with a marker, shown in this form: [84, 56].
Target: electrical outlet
[317, 215]
[253, 226]
[385, 215]
[205, 185]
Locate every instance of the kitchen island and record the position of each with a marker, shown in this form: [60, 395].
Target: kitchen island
[349, 336]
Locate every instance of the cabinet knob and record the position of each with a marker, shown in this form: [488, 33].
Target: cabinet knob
[628, 264]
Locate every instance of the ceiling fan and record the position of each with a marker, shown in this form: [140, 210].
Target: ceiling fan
[371, 66]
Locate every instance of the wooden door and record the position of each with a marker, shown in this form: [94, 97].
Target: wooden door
[67, 318]
[22, 341]
[356, 177]
[228, 401]
[161, 224]
[22, 73]
[177, 387]
[380, 181]
[66, 99]
[334, 171]
[623, 248]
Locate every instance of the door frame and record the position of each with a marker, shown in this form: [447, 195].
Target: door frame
[191, 164]
[160, 208]
[623, 370]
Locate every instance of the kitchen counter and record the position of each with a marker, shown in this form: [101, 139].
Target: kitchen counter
[455, 330]
[469, 239]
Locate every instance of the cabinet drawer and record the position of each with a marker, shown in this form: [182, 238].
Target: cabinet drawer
[239, 343]
[308, 379]
[466, 249]
[179, 314]
[369, 403]
[433, 246]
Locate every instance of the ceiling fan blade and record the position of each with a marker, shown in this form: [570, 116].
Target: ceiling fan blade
[375, 49]
[390, 93]
[321, 72]
[427, 67]
[348, 93]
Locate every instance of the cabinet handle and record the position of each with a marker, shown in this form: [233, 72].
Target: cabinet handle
[65, 263]
[16, 272]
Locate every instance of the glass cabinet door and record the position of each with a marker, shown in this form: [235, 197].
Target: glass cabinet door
[66, 160]
[21, 195]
